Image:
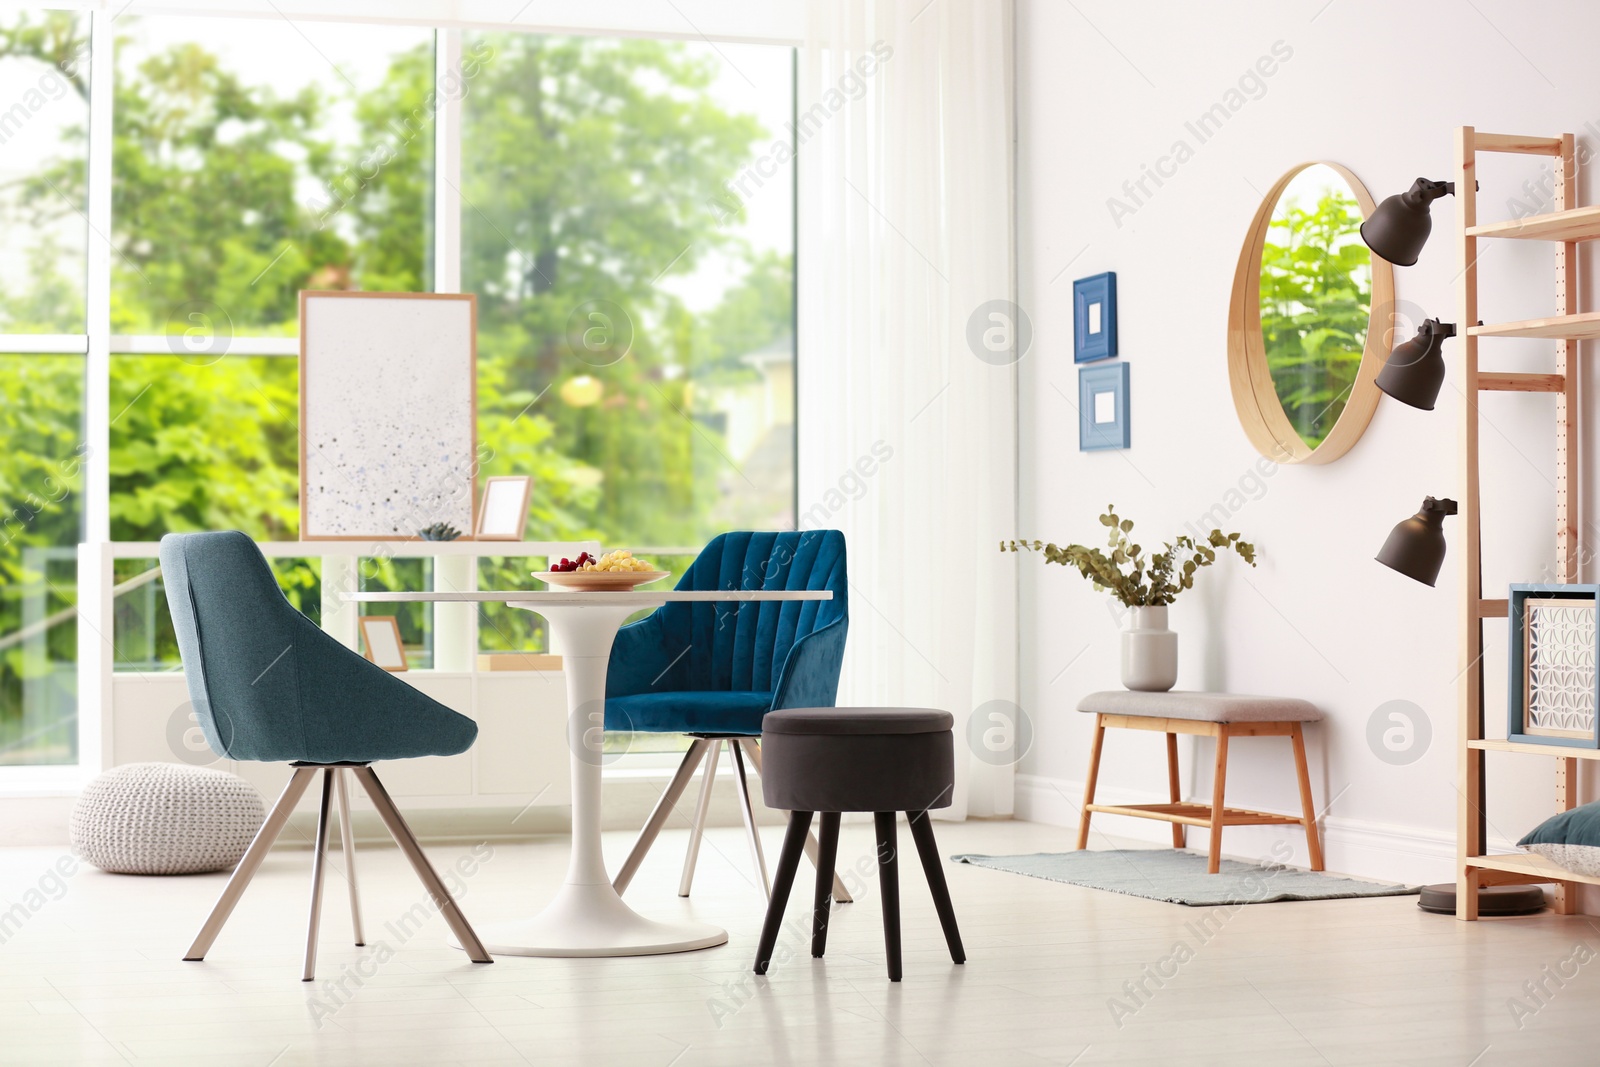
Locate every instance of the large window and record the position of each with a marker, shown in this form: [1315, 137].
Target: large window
[621, 207]
[635, 310]
[246, 168]
[44, 99]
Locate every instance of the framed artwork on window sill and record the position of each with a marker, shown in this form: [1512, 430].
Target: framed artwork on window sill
[503, 511]
[381, 636]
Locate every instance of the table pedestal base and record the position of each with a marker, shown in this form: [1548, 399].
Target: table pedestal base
[591, 920]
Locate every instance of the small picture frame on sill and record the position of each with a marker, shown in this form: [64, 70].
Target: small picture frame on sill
[503, 511]
[1103, 408]
[1555, 649]
[381, 636]
[1094, 318]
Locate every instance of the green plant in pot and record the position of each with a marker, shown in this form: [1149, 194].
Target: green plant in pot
[1145, 584]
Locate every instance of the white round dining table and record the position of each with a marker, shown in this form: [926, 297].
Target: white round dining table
[587, 917]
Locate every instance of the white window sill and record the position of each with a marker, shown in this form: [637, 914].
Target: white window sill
[59, 781]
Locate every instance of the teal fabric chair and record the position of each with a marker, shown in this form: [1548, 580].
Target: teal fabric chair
[268, 685]
[712, 670]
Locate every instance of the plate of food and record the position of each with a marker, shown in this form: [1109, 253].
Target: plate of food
[617, 571]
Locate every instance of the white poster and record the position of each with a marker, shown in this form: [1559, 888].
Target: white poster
[388, 403]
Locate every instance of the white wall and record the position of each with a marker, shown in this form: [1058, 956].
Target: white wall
[1105, 88]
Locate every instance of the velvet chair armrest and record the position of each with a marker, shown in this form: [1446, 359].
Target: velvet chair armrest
[647, 657]
[810, 677]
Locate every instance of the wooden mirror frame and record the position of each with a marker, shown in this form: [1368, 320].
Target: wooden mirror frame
[1254, 396]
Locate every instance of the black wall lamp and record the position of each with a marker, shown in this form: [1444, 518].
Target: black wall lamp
[1399, 226]
[1415, 547]
[1415, 369]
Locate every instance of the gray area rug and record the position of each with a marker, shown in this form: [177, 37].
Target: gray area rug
[1181, 878]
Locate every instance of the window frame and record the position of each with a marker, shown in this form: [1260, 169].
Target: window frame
[98, 345]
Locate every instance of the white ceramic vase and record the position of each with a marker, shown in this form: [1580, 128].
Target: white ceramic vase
[1149, 652]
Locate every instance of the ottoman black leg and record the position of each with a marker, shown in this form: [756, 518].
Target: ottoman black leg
[794, 845]
[822, 903]
[889, 881]
[928, 850]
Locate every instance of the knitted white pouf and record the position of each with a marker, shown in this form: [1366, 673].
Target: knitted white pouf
[165, 818]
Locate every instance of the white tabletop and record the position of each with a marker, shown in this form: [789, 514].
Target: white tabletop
[550, 596]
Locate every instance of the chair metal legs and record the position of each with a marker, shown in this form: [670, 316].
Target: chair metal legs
[697, 830]
[349, 841]
[279, 817]
[251, 862]
[319, 861]
[419, 862]
[750, 818]
[658, 817]
[708, 750]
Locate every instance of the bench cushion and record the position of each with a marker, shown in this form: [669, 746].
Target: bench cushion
[1200, 707]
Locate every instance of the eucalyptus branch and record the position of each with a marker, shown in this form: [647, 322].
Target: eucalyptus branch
[1127, 573]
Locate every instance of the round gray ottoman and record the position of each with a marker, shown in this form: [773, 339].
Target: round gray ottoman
[165, 818]
[833, 760]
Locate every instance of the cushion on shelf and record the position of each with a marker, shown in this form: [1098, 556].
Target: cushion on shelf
[1570, 840]
[165, 818]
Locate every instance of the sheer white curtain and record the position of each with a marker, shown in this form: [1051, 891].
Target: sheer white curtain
[907, 350]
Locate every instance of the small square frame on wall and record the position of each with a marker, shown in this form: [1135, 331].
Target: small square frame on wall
[1555, 638]
[1094, 318]
[1103, 407]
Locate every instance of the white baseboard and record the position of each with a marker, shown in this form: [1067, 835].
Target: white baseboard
[628, 801]
[1389, 852]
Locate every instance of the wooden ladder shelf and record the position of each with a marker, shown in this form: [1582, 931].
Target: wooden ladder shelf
[1565, 226]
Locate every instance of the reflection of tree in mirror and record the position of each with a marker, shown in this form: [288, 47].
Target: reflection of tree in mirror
[1316, 296]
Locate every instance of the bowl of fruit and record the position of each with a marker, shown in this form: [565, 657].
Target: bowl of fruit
[615, 571]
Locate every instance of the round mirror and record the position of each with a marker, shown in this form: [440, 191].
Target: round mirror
[1303, 345]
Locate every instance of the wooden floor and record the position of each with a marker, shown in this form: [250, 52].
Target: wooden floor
[1056, 974]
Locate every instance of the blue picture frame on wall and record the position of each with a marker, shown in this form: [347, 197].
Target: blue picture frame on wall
[1094, 318]
[1103, 407]
[1572, 655]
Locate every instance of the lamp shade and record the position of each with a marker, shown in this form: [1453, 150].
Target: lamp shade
[1399, 226]
[1415, 369]
[1415, 547]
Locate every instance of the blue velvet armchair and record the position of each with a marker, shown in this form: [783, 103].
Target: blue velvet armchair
[712, 670]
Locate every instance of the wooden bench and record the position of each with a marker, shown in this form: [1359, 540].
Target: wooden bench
[1219, 715]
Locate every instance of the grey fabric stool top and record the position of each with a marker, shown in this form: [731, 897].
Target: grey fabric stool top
[833, 760]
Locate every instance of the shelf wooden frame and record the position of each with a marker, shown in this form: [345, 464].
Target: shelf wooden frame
[1584, 327]
[1527, 748]
[1524, 868]
[1574, 224]
[1565, 226]
[1522, 383]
